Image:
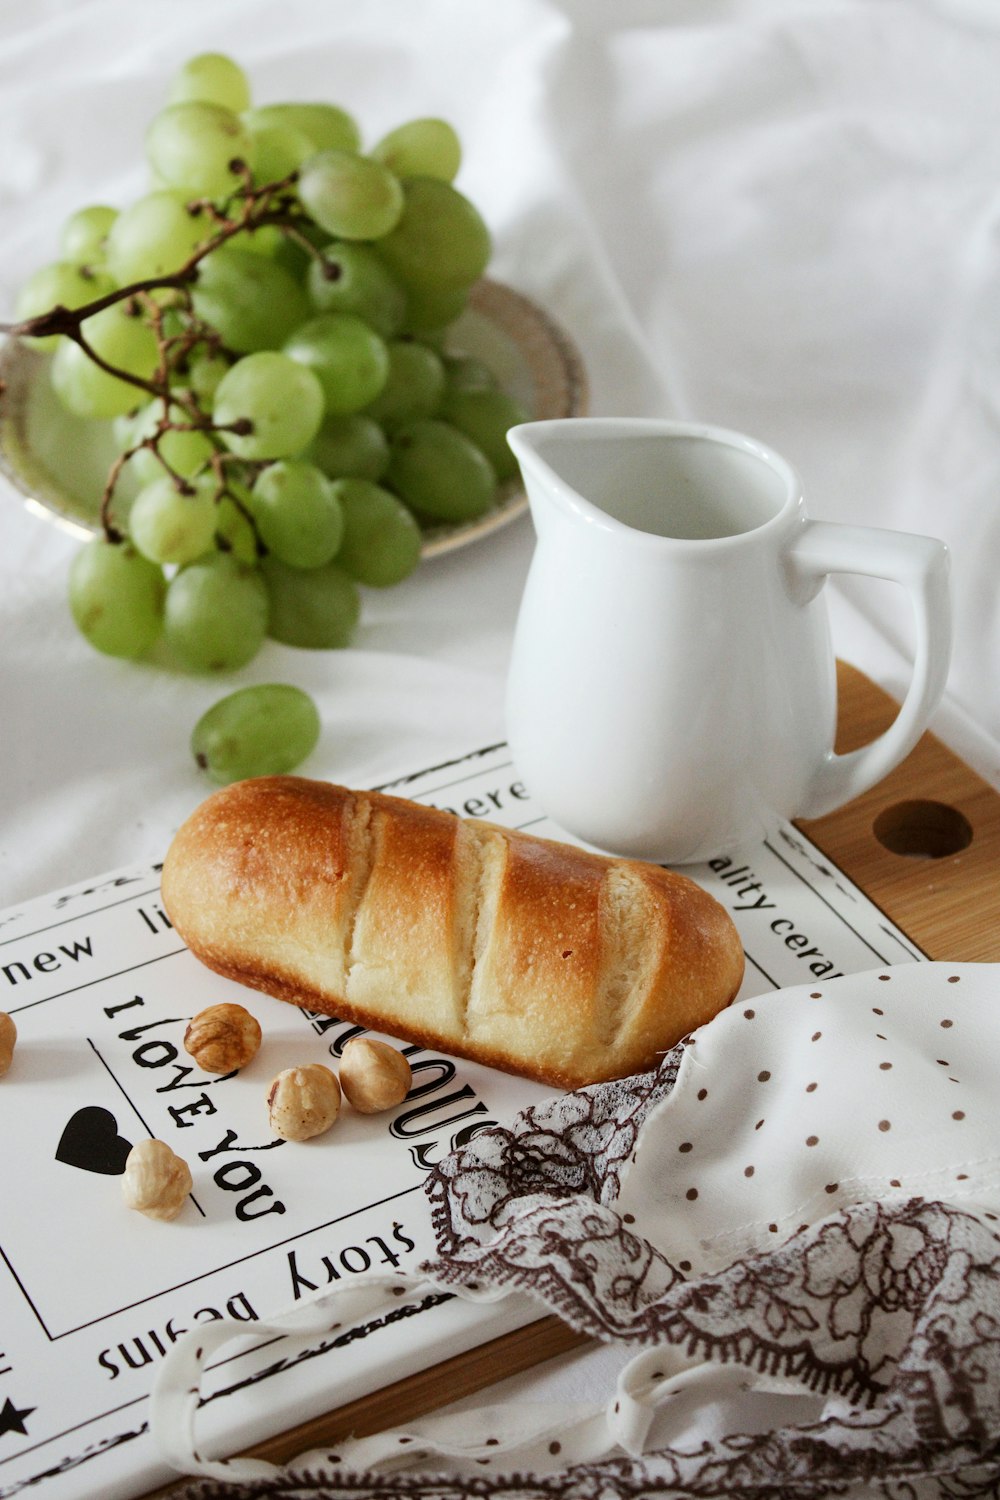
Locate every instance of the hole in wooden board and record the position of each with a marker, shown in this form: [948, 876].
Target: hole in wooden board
[922, 830]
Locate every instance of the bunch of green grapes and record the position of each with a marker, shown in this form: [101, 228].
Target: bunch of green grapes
[277, 376]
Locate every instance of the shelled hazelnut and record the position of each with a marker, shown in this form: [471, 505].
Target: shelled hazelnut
[303, 1102]
[373, 1075]
[8, 1036]
[222, 1038]
[156, 1181]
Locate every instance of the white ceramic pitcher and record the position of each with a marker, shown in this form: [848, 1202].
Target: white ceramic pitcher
[672, 689]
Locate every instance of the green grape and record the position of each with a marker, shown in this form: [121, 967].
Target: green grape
[59, 284]
[257, 731]
[280, 398]
[413, 388]
[350, 196]
[486, 417]
[85, 232]
[185, 451]
[327, 127]
[193, 147]
[211, 78]
[266, 239]
[215, 616]
[292, 254]
[251, 302]
[116, 597]
[349, 359]
[463, 372]
[276, 151]
[381, 544]
[234, 531]
[421, 148]
[174, 319]
[153, 237]
[429, 309]
[317, 609]
[440, 241]
[434, 338]
[124, 425]
[350, 445]
[351, 278]
[170, 527]
[203, 374]
[440, 473]
[297, 514]
[121, 339]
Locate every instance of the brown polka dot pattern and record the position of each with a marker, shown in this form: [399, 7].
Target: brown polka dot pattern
[854, 1101]
[856, 1162]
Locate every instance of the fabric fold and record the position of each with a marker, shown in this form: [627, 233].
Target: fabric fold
[880, 1311]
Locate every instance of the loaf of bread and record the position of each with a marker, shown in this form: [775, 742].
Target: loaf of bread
[529, 955]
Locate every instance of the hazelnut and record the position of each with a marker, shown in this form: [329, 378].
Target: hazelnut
[8, 1036]
[373, 1075]
[156, 1182]
[222, 1038]
[303, 1102]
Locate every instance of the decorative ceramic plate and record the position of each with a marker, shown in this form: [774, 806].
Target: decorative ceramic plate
[58, 463]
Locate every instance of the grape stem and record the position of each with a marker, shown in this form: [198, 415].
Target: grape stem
[257, 210]
[247, 209]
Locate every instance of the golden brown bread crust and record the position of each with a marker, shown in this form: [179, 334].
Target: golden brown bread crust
[529, 955]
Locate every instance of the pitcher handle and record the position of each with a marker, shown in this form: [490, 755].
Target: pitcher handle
[921, 565]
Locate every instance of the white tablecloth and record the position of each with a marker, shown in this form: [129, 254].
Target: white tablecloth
[778, 216]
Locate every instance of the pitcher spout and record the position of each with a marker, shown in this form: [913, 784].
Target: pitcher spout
[569, 464]
[666, 479]
[544, 453]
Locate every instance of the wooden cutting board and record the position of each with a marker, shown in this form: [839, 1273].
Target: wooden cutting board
[924, 845]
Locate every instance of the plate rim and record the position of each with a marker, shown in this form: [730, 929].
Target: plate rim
[549, 354]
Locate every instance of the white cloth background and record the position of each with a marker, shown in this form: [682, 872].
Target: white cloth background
[781, 216]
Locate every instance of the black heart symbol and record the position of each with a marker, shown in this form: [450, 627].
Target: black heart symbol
[91, 1141]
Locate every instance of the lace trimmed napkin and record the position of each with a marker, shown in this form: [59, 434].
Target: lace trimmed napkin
[803, 1202]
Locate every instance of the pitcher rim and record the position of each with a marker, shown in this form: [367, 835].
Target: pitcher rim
[572, 500]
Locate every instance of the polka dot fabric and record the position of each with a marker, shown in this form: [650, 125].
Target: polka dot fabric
[880, 1086]
[800, 1206]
